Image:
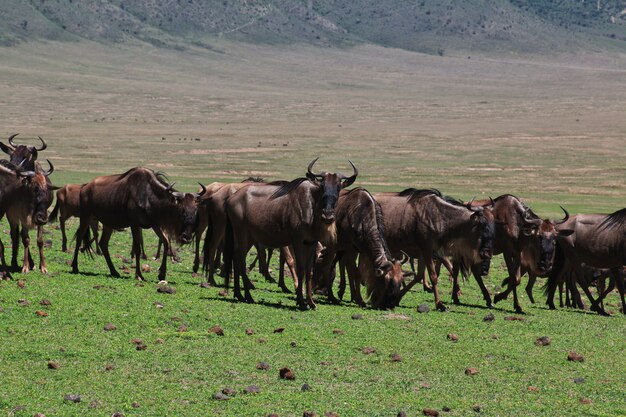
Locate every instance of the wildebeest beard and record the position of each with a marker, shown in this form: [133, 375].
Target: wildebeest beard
[328, 234]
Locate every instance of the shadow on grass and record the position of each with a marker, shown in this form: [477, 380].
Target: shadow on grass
[232, 300]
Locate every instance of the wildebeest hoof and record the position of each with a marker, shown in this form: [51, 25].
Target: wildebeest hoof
[139, 278]
[270, 279]
[302, 306]
[498, 297]
[442, 307]
[456, 301]
[428, 289]
[249, 300]
[115, 274]
[44, 270]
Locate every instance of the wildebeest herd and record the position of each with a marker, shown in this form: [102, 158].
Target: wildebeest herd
[320, 226]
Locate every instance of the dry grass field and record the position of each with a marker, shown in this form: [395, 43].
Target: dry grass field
[549, 129]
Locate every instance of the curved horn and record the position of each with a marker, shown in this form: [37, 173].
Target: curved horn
[170, 187]
[405, 258]
[310, 173]
[348, 181]
[201, 193]
[178, 194]
[11, 139]
[50, 171]
[26, 174]
[566, 216]
[44, 145]
[493, 203]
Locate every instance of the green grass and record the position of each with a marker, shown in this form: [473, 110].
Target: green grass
[179, 376]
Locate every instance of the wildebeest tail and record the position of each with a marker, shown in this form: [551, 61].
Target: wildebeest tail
[229, 250]
[54, 215]
[207, 242]
[549, 288]
[86, 241]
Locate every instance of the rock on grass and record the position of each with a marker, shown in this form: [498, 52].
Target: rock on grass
[221, 396]
[489, 317]
[109, 327]
[74, 398]
[357, 316]
[368, 350]
[249, 332]
[263, 366]
[423, 308]
[430, 412]
[453, 337]
[252, 389]
[54, 365]
[45, 302]
[396, 357]
[305, 387]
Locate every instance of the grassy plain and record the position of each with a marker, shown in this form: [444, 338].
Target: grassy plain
[550, 130]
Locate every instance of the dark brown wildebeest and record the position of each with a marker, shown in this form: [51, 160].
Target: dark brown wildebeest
[25, 197]
[360, 233]
[525, 241]
[297, 214]
[424, 224]
[139, 198]
[596, 240]
[67, 206]
[24, 157]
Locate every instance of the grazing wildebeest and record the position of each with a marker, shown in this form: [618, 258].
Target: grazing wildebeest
[596, 240]
[67, 206]
[360, 233]
[25, 197]
[139, 198]
[298, 214]
[424, 224]
[525, 241]
[24, 157]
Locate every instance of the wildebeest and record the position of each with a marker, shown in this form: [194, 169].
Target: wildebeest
[67, 206]
[139, 198]
[596, 240]
[298, 214]
[24, 158]
[360, 233]
[24, 199]
[525, 241]
[425, 225]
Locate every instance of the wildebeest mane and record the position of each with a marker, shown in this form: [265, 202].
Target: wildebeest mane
[286, 187]
[414, 194]
[614, 219]
[380, 224]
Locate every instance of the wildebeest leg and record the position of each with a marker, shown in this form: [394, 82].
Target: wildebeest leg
[511, 267]
[26, 242]
[80, 234]
[104, 246]
[15, 245]
[430, 265]
[63, 235]
[94, 229]
[476, 270]
[349, 258]
[532, 278]
[300, 254]
[455, 283]
[247, 285]
[281, 270]
[264, 262]
[618, 277]
[42, 259]
[342, 279]
[309, 276]
[137, 241]
[211, 244]
[196, 257]
[5, 270]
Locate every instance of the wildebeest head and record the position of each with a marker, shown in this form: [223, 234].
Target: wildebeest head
[383, 287]
[186, 213]
[330, 184]
[543, 234]
[35, 182]
[21, 155]
[485, 229]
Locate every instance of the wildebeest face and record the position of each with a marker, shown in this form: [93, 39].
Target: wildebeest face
[187, 213]
[37, 185]
[21, 155]
[546, 236]
[486, 232]
[330, 185]
[187, 216]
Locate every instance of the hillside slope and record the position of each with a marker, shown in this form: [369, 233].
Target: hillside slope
[433, 26]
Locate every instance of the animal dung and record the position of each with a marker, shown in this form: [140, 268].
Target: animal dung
[286, 373]
[41, 313]
[368, 350]
[543, 341]
[430, 412]
[489, 317]
[252, 389]
[109, 327]
[217, 330]
[453, 337]
[573, 356]
[249, 332]
[263, 366]
[53, 365]
[74, 398]
[471, 371]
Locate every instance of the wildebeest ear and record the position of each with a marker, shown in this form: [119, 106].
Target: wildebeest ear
[565, 232]
[6, 148]
[311, 177]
